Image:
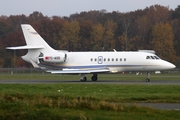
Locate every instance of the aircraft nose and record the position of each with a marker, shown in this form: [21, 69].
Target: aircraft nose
[173, 66]
[170, 65]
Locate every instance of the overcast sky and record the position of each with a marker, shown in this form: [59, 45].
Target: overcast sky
[68, 7]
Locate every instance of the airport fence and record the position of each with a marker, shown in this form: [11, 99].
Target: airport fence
[19, 70]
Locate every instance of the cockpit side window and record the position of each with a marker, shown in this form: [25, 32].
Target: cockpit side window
[152, 57]
[148, 57]
[156, 57]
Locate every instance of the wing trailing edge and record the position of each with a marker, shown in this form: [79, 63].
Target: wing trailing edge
[78, 71]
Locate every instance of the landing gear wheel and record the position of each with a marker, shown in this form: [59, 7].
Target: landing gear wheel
[94, 77]
[147, 80]
[83, 79]
[148, 77]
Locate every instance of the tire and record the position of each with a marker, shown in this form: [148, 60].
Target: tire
[94, 78]
[84, 79]
[147, 80]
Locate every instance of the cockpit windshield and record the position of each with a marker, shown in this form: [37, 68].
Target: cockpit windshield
[152, 57]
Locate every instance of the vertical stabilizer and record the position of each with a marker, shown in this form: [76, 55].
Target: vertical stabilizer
[34, 43]
[32, 38]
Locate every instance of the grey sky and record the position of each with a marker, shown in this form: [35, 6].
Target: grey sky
[67, 7]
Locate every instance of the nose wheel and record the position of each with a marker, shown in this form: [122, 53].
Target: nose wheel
[83, 78]
[148, 77]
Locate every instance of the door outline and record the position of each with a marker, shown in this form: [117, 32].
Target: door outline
[100, 59]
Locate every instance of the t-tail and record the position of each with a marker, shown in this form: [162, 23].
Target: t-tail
[34, 43]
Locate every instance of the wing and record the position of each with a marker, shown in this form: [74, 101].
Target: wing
[77, 71]
[72, 71]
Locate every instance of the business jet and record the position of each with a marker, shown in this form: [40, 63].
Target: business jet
[43, 57]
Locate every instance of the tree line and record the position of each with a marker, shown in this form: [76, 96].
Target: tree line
[153, 28]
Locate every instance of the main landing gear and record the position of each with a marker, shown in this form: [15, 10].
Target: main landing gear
[83, 78]
[94, 77]
[148, 77]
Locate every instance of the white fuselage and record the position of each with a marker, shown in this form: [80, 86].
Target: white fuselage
[115, 61]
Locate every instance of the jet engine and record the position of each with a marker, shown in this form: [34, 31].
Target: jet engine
[59, 57]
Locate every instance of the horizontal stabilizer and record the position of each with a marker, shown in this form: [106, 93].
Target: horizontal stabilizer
[25, 47]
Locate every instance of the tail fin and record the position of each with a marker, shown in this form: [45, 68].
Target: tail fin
[32, 37]
[34, 43]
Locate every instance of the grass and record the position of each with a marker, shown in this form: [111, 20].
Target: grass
[97, 92]
[86, 101]
[79, 101]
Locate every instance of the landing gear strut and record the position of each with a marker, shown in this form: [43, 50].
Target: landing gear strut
[83, 78]
[148, 77]
[94, 77]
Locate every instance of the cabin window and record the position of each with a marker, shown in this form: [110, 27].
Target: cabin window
[116, 59]
[91, 59]
[108, 59]
[104, 59]
[120, 59]
[124, 59]
[95, 59]
[112, 59]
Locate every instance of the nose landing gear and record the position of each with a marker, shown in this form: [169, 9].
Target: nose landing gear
[83, 78]
[148, 77]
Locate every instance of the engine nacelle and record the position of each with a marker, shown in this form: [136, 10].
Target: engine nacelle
[54, 58]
